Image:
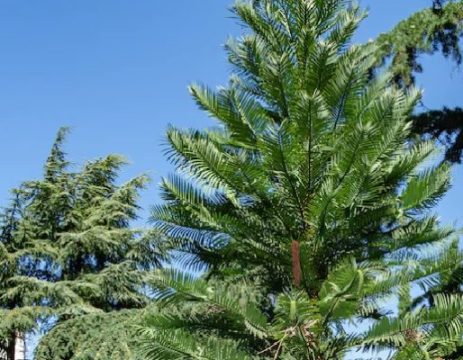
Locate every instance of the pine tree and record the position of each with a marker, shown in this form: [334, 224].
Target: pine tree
[309, 199]
[68, 250]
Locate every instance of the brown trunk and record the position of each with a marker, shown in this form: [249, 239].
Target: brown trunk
[296, 263]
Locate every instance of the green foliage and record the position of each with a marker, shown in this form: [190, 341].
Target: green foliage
[425, 32]
[306, 210]
[67, 249]
[96, 336]
[434, 30]
[314, 172]
[201, 319]
[309, 148]
[428, 333]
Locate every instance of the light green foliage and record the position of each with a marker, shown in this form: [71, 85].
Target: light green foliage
[427, 333]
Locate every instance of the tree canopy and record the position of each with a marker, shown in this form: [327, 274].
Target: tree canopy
[68, 248]
[312, 196]
[299, 227]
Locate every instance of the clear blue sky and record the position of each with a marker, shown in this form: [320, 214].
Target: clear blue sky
[116, 72]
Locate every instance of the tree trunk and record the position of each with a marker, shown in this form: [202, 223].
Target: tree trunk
[10, 350]
[296, 263]
[15, 349]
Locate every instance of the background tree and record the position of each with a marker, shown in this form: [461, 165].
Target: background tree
[67, 248]
[433, 30]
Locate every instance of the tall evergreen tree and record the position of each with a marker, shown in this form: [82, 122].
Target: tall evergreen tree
[309, 196]
[67, 249]
[311, 160]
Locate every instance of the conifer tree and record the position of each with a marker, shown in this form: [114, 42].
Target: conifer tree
[309, 150]
[433, 30]
[68, 250]
[307, 208]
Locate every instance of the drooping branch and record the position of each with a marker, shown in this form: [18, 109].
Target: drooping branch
[437, 29]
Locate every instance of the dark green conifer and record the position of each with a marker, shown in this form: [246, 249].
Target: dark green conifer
[68, 249]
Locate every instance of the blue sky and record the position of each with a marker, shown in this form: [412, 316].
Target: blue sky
[116, 72]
